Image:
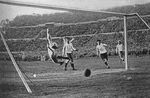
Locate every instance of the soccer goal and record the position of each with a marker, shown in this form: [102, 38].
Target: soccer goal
[125, 34]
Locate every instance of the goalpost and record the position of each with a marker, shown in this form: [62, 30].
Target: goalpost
[125, 42]
[68, 9]
[125, 35]
[15, 64]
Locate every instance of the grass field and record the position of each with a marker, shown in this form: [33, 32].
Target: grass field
[53, 82]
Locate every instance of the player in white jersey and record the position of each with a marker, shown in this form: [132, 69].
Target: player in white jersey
[65, 40]
[101, 51]
[119, 50]
[68, 51]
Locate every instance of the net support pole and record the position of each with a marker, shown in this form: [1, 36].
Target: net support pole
[15, 64]
[143, 20]
[125, 42]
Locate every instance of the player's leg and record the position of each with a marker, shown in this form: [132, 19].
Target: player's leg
[57, 58]
[70, 55]
[121, 56]
[106, 60]
[62, 57]
[104, 57]
[66, 64]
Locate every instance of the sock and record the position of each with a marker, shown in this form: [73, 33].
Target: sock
[106, 63]
[72, 65]
[66, 66]
[61, 63]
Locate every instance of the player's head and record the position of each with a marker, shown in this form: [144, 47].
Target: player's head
[67, 40]
[54, 45]
[119, 42]
[98, 41]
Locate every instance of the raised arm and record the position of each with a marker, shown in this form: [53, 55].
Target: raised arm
[71, 40]
[105, 44]
[49, 38]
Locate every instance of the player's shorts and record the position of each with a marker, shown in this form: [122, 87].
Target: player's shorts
[70, 56]
[104, 56]
[121, 53]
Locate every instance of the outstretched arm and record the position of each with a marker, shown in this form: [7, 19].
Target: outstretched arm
[105, 44]
[49, 38]
[71, 40]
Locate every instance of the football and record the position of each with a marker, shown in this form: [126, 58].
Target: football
[87, 72]
[34, 75]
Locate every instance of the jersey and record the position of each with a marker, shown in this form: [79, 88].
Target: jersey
[64, 49]
[101, 48]
[69, 48]
[119, 47]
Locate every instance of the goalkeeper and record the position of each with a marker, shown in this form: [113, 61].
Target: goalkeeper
[52, 46]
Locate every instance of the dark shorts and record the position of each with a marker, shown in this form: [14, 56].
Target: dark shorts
[104, 56]
[70, 56]
[56, 58]
[121, 53]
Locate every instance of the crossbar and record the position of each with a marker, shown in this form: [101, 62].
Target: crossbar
[46, 6]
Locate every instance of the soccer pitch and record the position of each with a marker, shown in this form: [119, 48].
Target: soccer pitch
[52, 81]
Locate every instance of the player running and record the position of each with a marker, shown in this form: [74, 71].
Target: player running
[101, 51]
[68, 51]
[119, 50]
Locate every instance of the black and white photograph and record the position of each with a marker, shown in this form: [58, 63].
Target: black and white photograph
[74, 48]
